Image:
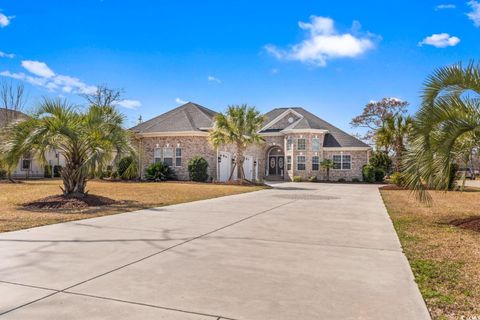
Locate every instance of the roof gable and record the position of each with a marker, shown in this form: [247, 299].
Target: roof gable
[279, 119]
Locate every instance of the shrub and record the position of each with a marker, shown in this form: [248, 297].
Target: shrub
[47, 171]
[159, 172]
[198, 169]
[127, 168]
[57, 170]
[3, 174]
[380, 159]
[368, 173]
[342, 180]
[397, 178]
[355, 180]
[379, 174]
[297, 179]
[313, 179]
[114, 175]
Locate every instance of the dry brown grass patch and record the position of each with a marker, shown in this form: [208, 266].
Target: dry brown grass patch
[444, 258]
[128, 196]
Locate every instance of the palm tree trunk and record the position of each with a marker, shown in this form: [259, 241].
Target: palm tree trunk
[239, 160]
[74, 180]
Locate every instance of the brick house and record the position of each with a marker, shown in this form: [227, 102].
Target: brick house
[296, 141]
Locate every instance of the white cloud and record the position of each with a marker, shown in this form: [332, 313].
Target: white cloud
[214, 79]
[38, 68]
[274, 71]
[180, 101]
[129, 104]
[6, 55]
[445, 6]
[324, 43]
[41, 75]
[440, 40]
[5, 20]
[474, 15]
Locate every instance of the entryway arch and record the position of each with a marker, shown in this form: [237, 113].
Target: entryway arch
[275, 162]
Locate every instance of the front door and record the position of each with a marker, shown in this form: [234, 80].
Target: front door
[275, 166]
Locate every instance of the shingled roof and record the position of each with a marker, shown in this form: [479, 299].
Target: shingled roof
[187, 117]
[8, 115]
[192, 117]
[334, 138]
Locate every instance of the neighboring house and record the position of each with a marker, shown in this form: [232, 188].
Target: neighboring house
[28, 166]
[296, 141]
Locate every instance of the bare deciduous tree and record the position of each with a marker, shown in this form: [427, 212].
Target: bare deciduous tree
[103, 96]
[12, 99]
[375, 113]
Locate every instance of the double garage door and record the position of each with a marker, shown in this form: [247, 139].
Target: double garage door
[225, 167]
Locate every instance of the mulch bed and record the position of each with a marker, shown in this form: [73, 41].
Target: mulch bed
[471, 223]
[65, 202]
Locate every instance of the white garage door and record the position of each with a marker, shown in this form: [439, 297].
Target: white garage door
[225, 166]
[248, 167]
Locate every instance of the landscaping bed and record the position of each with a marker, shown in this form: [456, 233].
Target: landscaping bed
[442, 244]
[67, 203]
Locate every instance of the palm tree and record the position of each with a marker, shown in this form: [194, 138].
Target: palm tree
[238, 126]
[446, 128]
[392, 136]
[327, 164]
[87, 140]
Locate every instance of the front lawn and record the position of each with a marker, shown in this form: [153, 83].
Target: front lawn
[445, 259]
[130, 196]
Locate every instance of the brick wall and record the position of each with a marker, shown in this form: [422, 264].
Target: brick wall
[191, 146]
[199, 145]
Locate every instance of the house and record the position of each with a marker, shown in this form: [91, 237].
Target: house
[296, 141]
[28, 166]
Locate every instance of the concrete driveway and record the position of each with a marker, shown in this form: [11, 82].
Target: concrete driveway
[298, 251]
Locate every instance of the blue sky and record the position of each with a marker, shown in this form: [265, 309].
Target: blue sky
[329, 57]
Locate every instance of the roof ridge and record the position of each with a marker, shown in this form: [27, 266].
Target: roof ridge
[200, 108]
[189, 118]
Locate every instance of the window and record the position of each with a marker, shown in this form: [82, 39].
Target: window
[346, 162]
[315, 163]
[301, 144]
[315, 144]
[26, 163]
[289, 144]
[301, 163]
[157, 155]
[343, 162]
[178, 157]
[337, 162]
[168, 156]
[289, 162]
